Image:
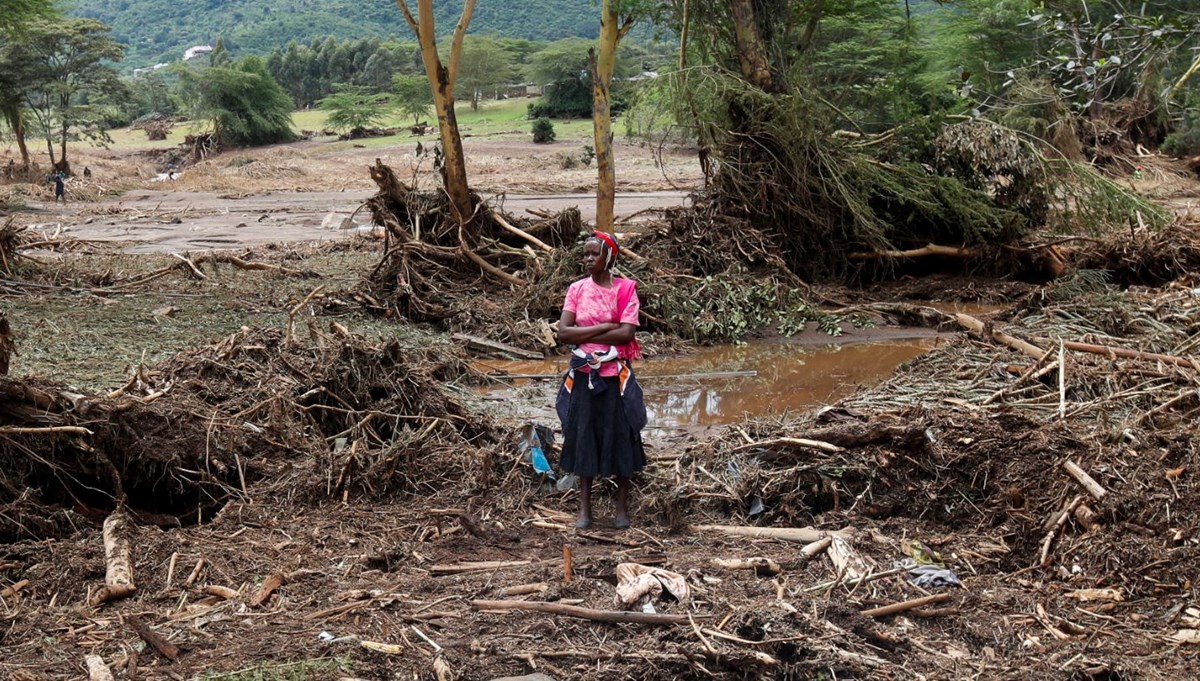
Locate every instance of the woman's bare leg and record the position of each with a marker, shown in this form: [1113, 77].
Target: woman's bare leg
[621, 520]
[585, 504]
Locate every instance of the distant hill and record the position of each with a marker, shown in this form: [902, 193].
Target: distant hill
[160, 30]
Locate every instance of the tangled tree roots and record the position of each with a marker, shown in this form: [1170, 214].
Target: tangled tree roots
[182, 438]
[434, 269]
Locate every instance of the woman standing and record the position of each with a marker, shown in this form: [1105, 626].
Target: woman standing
[603, 410]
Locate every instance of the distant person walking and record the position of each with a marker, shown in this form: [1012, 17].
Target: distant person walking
[60, 188]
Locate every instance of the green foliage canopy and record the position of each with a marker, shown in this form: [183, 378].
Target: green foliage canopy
[352, 107]
[244, 105]
[413, 95]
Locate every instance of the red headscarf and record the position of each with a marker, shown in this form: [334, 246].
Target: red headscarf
[611, 242]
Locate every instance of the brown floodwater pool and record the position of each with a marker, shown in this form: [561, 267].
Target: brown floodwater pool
[695, 390]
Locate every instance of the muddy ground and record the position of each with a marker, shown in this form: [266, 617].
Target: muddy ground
[306, 481]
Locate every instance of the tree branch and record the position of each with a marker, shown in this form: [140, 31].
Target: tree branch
[456, 46]
[412, 22]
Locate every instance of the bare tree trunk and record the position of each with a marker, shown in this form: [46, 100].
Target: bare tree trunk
[602, 63]
[752, 52]
[16, 122]
[442, 78]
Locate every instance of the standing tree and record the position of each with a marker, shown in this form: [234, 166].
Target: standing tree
[616, 19]
[69, 61]
[485, 66]
[442, 78]
[413, 96]
[14, 13]
[244, 104]
[353, 107]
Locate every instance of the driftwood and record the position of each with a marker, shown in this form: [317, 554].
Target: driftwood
[479, 566]
[222, 592]
[790, 442]
[269, 585]
[524, 589]
[12, 590]
[493, 346]
[154, 639]
[975, 326]
[925, 251]
[1060, 521]
[1089, 483]
[118, 576]
[613, 616]
[508, 227]
[97, 670]
[804, 535]
[903, 606]
[759, 564]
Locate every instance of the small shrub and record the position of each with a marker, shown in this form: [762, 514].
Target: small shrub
[588, 155]
[1184, 142]
[567, 161]
[543, 131]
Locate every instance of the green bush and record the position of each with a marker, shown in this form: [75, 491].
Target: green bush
[543, 131]
[1185, 141]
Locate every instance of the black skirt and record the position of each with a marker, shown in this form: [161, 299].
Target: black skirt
[597, 438]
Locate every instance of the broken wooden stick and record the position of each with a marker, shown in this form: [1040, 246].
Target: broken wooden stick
[153, 639]
[34, 430]
[815, 549]
[759, 564]
[222, 592]
[195, 574]
[524, 589]
[1063, 517]
[97, 670]
[805, 535]
[1089, 483]
[975, 326]
[790, 442]
[924, 251]
[567, 564]
[10, 591]
[269, 585]
[118, 575]
[903, 606]
[478, 566]
[508, 227]
[613, 616]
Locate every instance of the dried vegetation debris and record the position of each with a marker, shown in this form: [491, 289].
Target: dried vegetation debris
[332, 414]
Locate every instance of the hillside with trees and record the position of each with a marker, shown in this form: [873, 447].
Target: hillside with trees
[160, 30]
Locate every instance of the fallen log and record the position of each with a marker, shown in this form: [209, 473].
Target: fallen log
[804, 535]
[153, 639]
[612, 616]
[118, 576]
[903, 606]
[1126, 353]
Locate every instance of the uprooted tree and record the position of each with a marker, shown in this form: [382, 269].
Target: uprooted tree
[823, 186]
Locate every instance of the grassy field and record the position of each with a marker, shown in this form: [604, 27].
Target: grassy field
[503, 119]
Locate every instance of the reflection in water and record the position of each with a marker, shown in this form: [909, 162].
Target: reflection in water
[790, 378]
